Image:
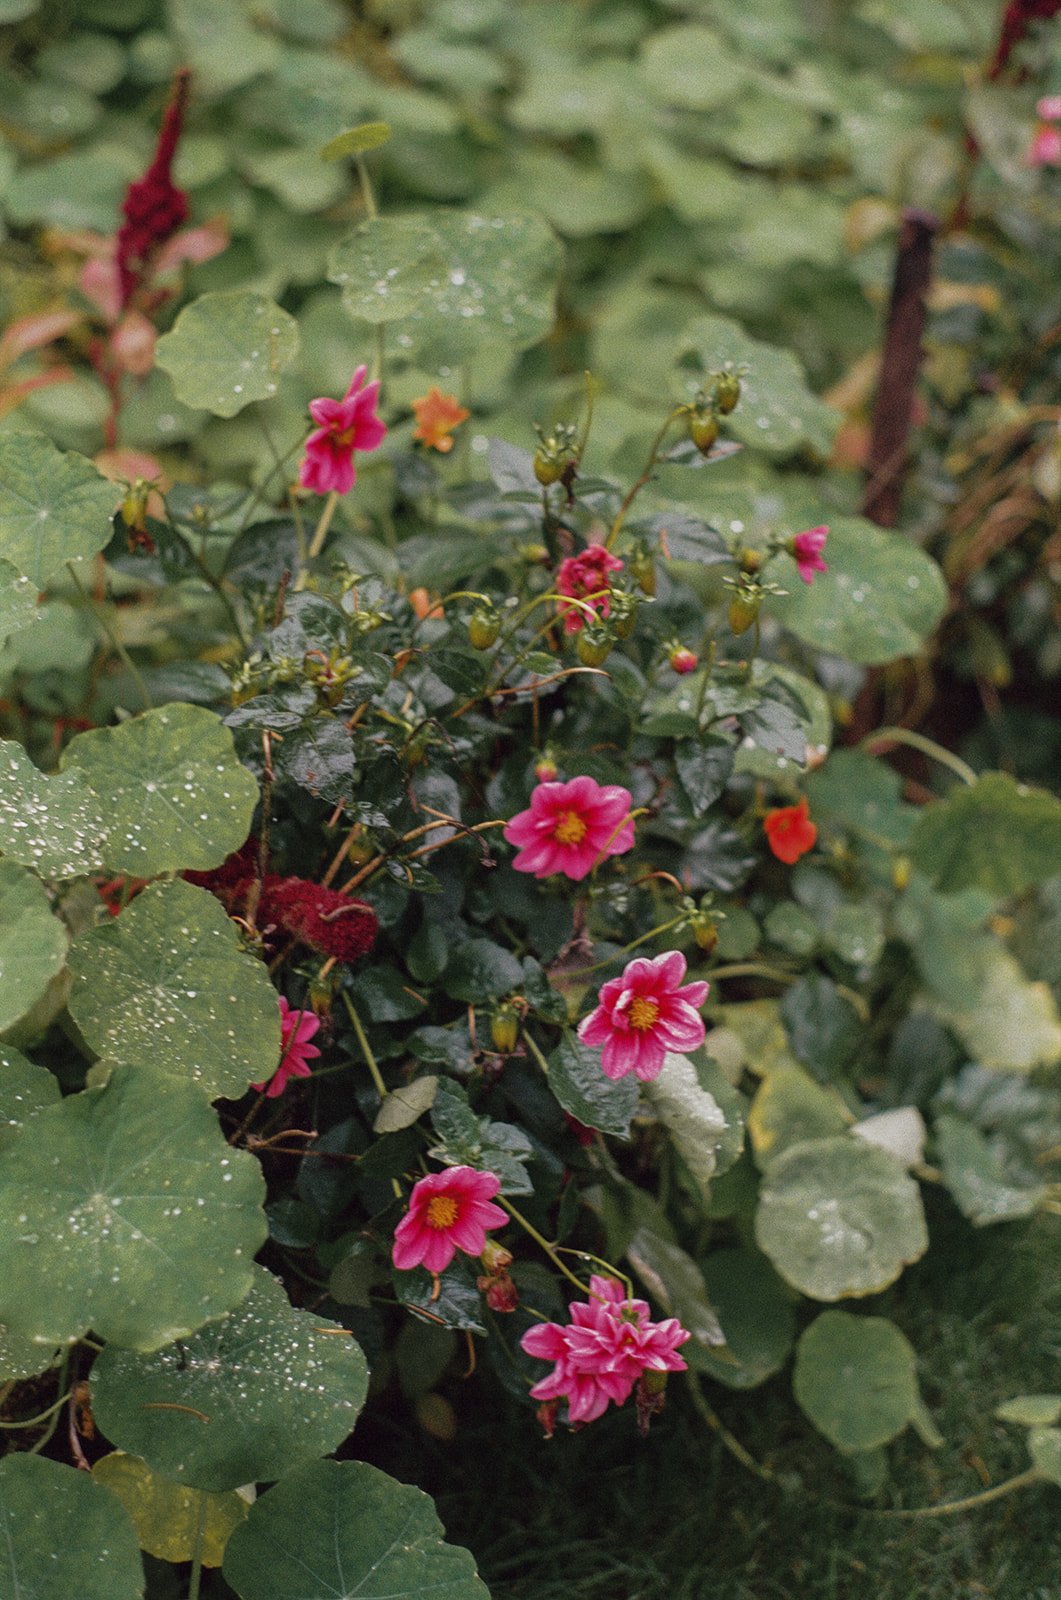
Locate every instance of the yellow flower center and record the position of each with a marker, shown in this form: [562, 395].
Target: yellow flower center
[570, 829]
[442, 1211]
[643, 1013]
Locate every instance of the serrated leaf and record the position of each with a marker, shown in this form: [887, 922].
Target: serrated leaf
[38, 1498]
[578, 1081]
[32, 943]
[166, 1515]
[838, 1218]
[995, 834]
[174, 794]
[879, 601]
[53, 824]
[404, 1105]
[856, 1379]
[343, 1528]
[703, 768]
[248, 1397]
[54, 507]
[166, 982]
[101, 1228]
[228, 349]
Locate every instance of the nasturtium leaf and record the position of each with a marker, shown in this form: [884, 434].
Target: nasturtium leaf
[174, 794]
[54, 507]
[757, 1316]
[1013, 1024]
[21, 1357]
[856, 1379]
[25, 1090]
[864, 794]
[101, 1228]
[63, 1534]
[170, 1519]
[342, 1530]
[1044, 1447]
[32, 943]
[778, 411]
[52, 824]
[691, 67]
[577, 1079]
[901, 1132]
[248, 1397]
[356, 141]
[1031, 1410]
[708, 1136]
[789, 1108]
[974, 1173]
[673, 1278]
[18, 600]
[166, 983]
[995, 834]
[839, 1218]
[228, 349]
[386, 266]
[879, 600]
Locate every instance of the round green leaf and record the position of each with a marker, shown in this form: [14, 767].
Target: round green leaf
[977, 1178]
[167, 1515]
[25, 1090]
[21, 1357]
[18, 601]
[52, 824]
[789, 1108]
[690, 66]
[335, 1530]
[1014, 1024]
[246, 1398]
[839, 1218]
[879, 600]
[227, 349]
[757, 1318]
[101, 1227]
[54, 506]
[995, 834]
[386, 266]
[856, 1379]
[171, 786]
[63, 1534]
[356, 141]
[166, 982]
[1031, 1410]
[32, 943]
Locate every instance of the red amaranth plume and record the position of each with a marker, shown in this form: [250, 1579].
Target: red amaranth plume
[329, 922]
[154, 207]
[1016, 20]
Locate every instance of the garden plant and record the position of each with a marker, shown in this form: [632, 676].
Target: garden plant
[529, 868]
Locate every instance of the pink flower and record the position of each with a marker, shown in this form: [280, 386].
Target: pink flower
[296, 1030]
[1045, 148]
[570, 827]
[1049, 108]
[448, 1211]
[807, 548]
[585, 576]
[345, 425]
[645, 1013]
[683, 660]
[600, 1355]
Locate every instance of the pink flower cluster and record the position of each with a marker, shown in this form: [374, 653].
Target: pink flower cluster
[1045, 148]
[600, 1355]
[643, 1014]
[343, 426]
[570, 827]
[585, 577]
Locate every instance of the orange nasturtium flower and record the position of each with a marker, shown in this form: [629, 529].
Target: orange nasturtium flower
[790, 833]
[437, 415]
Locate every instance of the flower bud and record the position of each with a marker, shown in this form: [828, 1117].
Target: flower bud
[547, 1414]
[751, 560]
[704, 931]
[683, 660]
[644, 569]
[484, 625]
[594, 645]
[623, 613]
[727, 392]
[501, 1293]
[546, 769]
[504, 1029]
[548, 468]
[556, 458]
[702, 426]
[495, 1258]
[743, 610]
[901, 872]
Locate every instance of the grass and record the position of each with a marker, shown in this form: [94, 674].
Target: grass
[601, 1515]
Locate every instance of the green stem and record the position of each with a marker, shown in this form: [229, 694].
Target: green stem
[729, 1440]
[636, 488]
[536, 1052]
[320, 533]
[104, 621]
[197, 1549]
[56, 1409]
[368, 194]
[927, 747]
[366, 1048]
[950, 1508]
[543, 1244]
[42, 1416]
[653, 933]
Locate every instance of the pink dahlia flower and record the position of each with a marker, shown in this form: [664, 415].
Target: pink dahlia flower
[296, 1030]
[807, 548]
[600, 1355]
[570, 827]
[448, 1211]
[645, 1013]
[585, 577]
[344, 426]
[1049, 108]
[1045, 148]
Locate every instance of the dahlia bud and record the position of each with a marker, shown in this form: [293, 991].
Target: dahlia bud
[594, 645]
[743, 610]
[644, 569]
[727, 392]
[751, 560]
[546, 769]
[546, 1414]
[556, 457]
[704, 931]
[484, 625]
[702, 426]
[901, 872]
[495, 1258]
[683, 660]
[623, 613]
[504, 1029]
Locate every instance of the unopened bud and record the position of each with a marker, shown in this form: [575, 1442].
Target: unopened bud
[546, 770]
[683, 660]
[751, 560]
[504, 1029]
[484, 625]
[902, 869]
[500, 1292]
[702, 426]
[727, 392]
[594, 645]
[495, 1258]
[743, 610]
[644, 570]
[705, 931]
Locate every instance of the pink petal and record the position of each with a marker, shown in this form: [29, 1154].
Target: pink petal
[440, 1250]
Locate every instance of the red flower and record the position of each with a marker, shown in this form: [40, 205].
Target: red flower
[683, 660]
[585, 577]
[154, 207]
[790, 832]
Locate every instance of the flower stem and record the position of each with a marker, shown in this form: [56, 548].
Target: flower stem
[197, 1549]
[635, 489]
[320, 533]
[366, 1048]
[543, 1244]
[927, 747]
[731, 1442]
[1023, 1480]
[101, 617]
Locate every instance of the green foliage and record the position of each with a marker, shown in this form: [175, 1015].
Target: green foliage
[227, 350]
[856, 1378]
[101, 1563]
[54, 507]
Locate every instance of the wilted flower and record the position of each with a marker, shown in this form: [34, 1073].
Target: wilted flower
[345, 425]
[643, 1014]
[570, 827]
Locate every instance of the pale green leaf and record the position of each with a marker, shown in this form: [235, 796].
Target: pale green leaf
[976, 1177]
[995, 834]
[691, 67]
[707, 1135]
[1013, 1024]
[228, 349]
[167, 1515]
[52, 824]
[18, 601]
[404, 1105]
[1031, 1410]
[356, 141]
[54, 507]
[32, 943]
[62, 1534]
